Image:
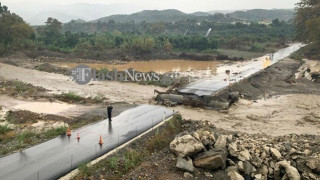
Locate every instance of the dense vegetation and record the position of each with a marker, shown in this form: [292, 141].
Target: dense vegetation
[307, 22]
[15, 34]
[114, 40]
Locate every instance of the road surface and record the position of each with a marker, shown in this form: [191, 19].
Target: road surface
[238, 71]
[59, 156]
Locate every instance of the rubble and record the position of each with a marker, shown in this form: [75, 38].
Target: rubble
[186, 145]
[243, 156]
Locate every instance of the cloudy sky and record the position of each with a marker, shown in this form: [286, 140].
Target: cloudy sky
[184, 5]
[32, 9]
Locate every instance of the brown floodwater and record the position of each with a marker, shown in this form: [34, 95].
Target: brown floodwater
[159, 66]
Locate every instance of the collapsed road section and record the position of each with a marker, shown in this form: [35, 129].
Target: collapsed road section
[215, 93]
[207, 87]
[59, 156]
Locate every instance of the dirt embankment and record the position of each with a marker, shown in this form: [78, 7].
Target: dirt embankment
[278, 79]
[58, 84]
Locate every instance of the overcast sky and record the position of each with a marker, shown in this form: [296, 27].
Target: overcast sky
[183, 5]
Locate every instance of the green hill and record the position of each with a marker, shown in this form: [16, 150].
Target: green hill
[169, 15]
[173, 15]
[263, 14]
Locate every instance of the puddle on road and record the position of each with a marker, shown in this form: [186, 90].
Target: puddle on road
[44, 107]
[37, 107]
[159, 66]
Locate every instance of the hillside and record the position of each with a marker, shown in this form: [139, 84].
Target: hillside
[173, 15]
[263, 14]
[169, 15]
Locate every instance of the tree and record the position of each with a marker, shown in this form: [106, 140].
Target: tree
[51, 33]
[307, 21]
[13, 28]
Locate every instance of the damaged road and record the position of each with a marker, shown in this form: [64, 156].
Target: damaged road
[57, 157]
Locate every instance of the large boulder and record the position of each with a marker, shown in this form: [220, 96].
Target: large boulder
[291, 172]
[185, 145]
[211, 160]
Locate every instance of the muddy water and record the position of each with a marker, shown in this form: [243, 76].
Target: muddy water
[33, 106]
[238, 71]
[44, 107]
[159, 66]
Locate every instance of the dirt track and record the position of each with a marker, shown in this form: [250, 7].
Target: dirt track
[113, 91]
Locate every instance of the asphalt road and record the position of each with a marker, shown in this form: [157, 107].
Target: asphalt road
[57, 157]
[238, 71]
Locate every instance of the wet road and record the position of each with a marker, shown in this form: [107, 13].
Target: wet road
[59, 156]
[238, 71]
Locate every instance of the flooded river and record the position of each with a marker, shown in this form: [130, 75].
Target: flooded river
[159, 66]
[236, 72]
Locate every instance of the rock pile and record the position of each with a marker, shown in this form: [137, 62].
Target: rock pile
[243, 156]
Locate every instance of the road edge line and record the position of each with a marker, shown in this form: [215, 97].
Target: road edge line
[73, 173]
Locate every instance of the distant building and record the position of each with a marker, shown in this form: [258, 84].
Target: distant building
[265, 22]
[240, 21]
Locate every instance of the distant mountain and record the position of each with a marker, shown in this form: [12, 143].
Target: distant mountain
[83, 11]
[169, 15]
[222, 11]
[199, 13]
[263, 14]
[173, 15]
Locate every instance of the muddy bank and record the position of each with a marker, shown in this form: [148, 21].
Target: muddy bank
[276, 116]
[281, 78]
[278, 79]
[58, 84]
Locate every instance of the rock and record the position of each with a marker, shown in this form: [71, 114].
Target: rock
[314, 165]
[291, 172]
[219, 105]
[307, 152]
[264, 170]
[258, 177]
[211, 160]
[221, 142]
[229, 138]
[288, 146]
[186, 146]
[244, 155]
[230, 162]
[232, 168]
[235, 176]
[207, 174]
[248, 168]
[185, 165]
[187, 175]
[206, 137]
[233, 97]
[196, 135]
[240, 166]
[266, 150]
[275, 153]
[233, 149]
